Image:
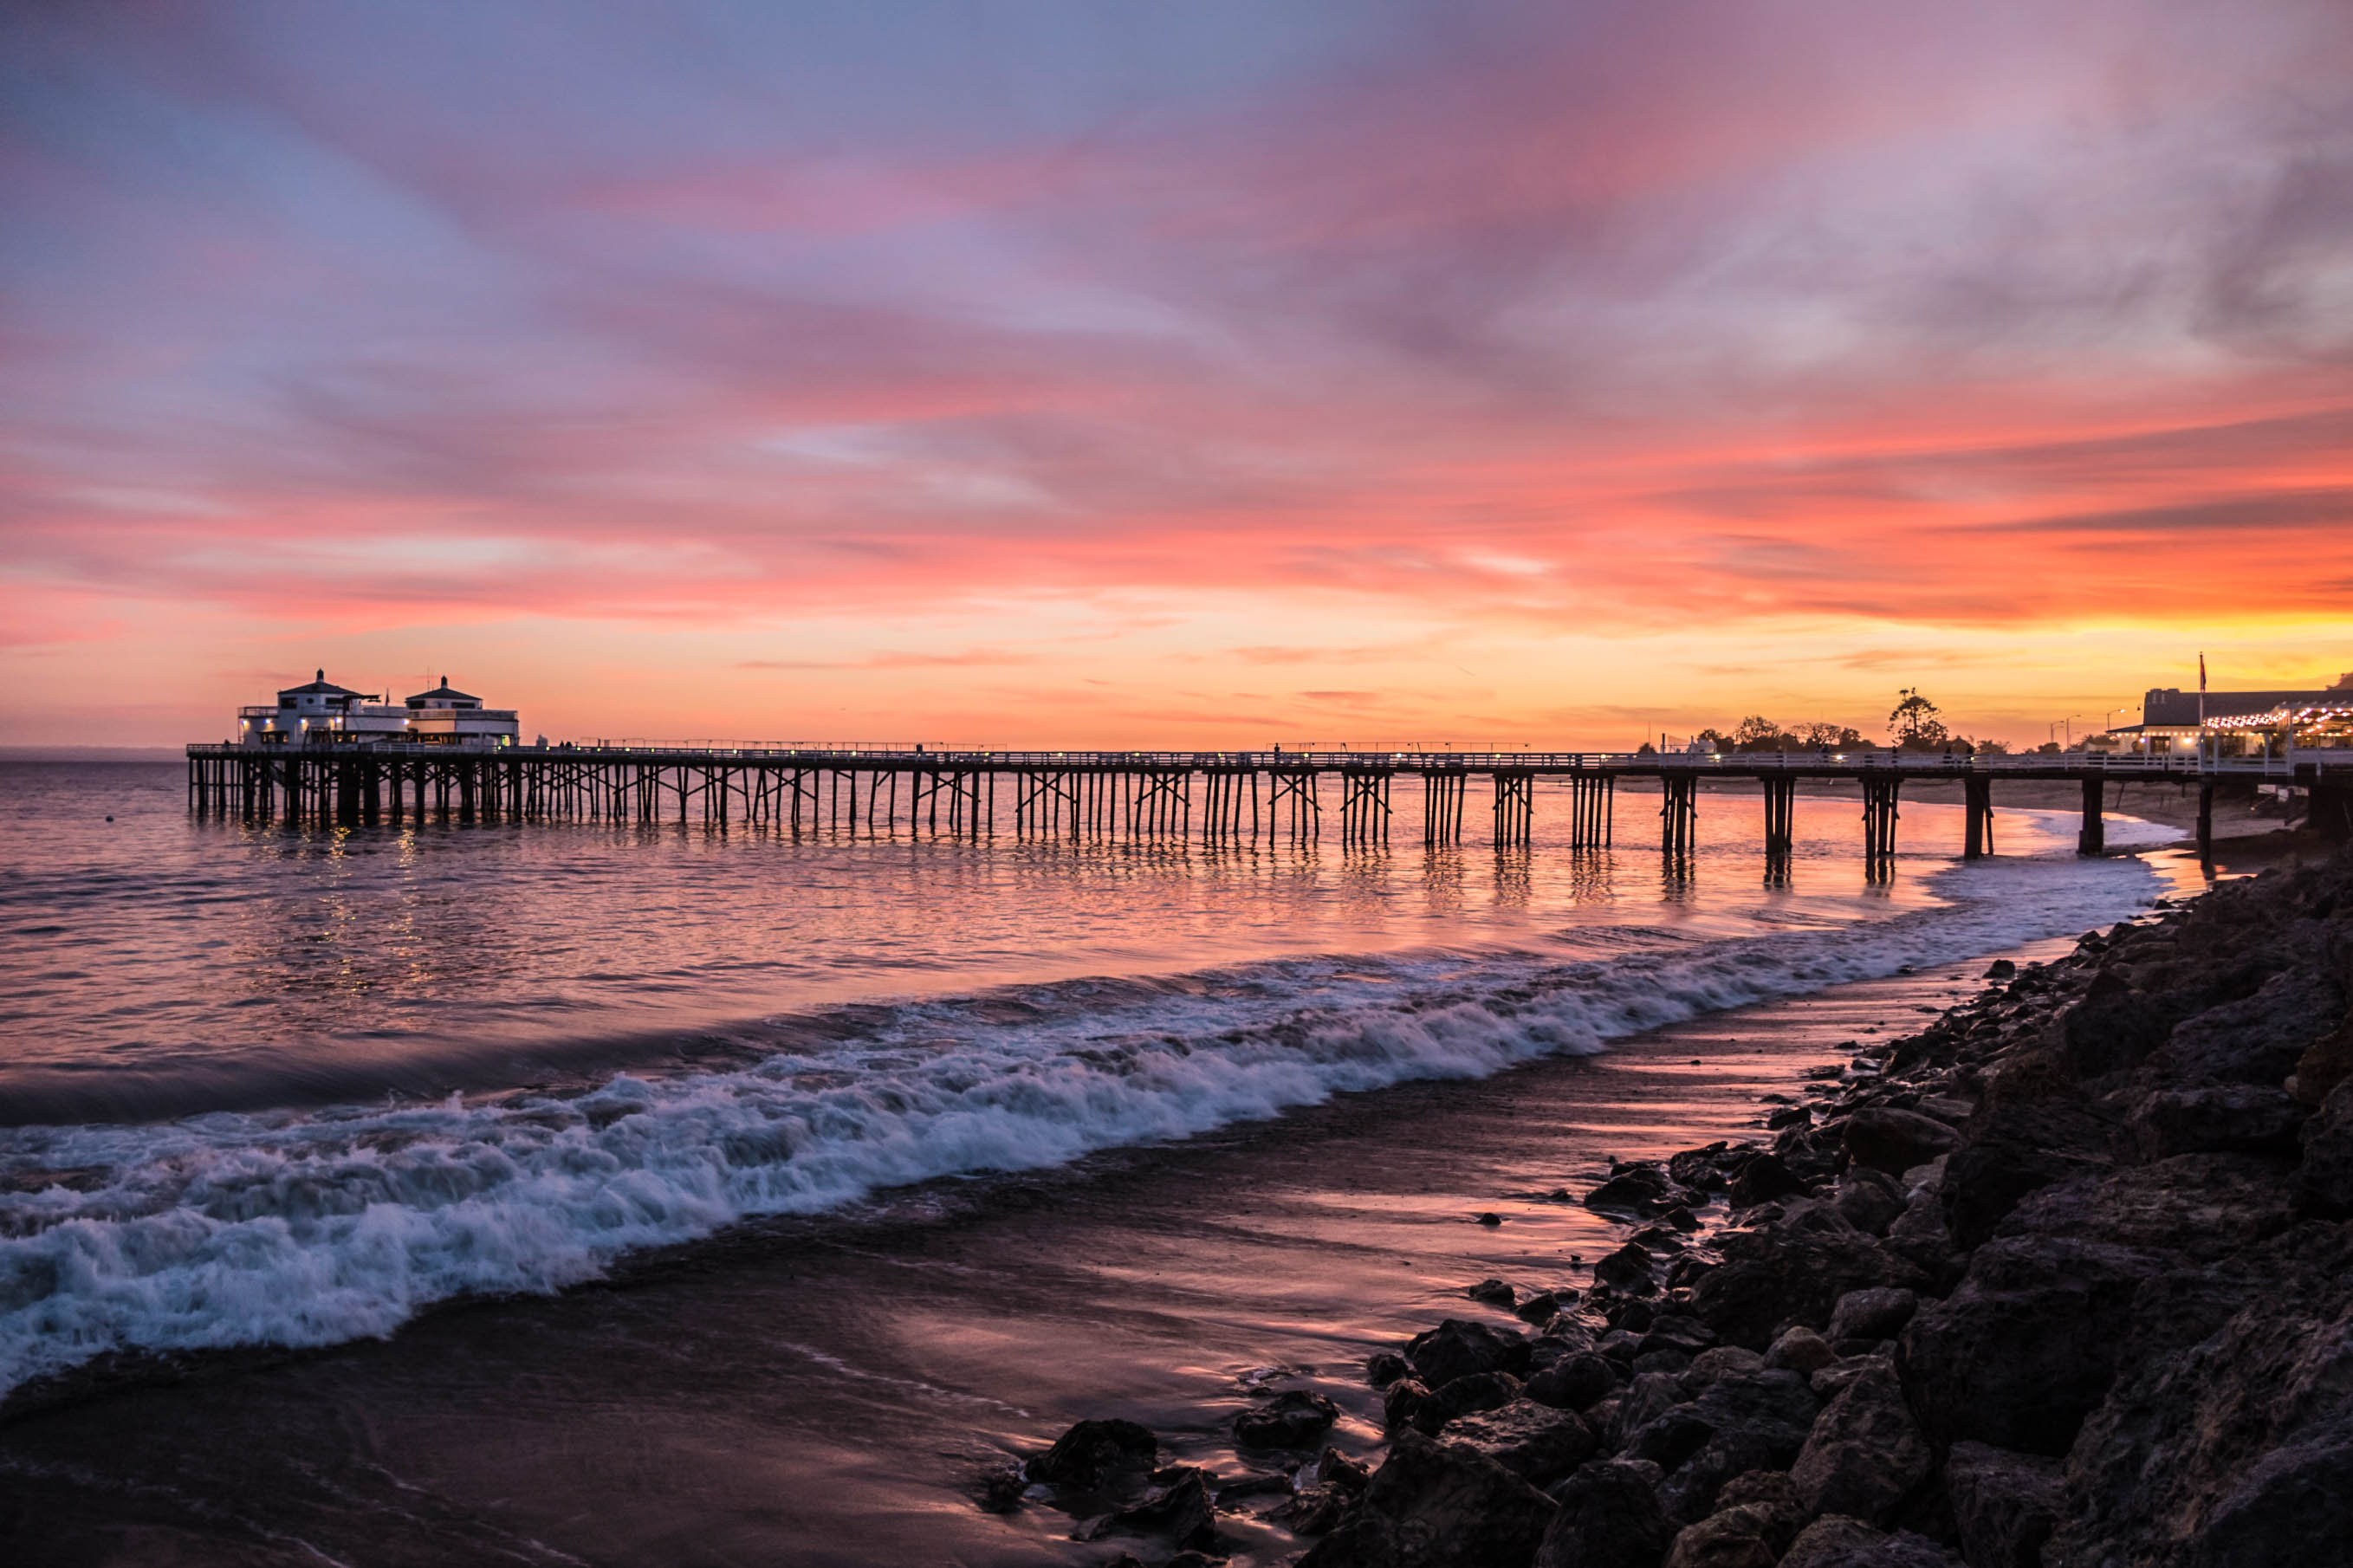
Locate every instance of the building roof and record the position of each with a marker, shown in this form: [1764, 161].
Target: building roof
[321, 687]
[442, 693]
[2171, 708]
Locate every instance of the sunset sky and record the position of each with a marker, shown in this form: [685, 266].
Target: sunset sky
[1219, 372]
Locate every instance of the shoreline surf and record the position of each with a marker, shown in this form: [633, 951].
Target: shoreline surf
[313, 1228]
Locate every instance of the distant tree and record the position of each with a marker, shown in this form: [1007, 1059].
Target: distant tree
[1646, 750]
[1831, 737]
[1756, 733]
[1991, 748]
[1711, 740]
[2048, 749]
[1914, 724]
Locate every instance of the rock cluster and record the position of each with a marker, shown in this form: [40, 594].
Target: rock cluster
[2064, 1280]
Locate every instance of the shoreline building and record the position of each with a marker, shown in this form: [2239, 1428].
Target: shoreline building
[2239, 724]
[322, 713]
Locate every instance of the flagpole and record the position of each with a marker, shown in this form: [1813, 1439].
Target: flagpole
[2201, 707]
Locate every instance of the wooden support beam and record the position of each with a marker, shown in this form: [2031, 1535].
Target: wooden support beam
[1976, 831]
[1515, 808]
[1879, 815]
[1678, 813]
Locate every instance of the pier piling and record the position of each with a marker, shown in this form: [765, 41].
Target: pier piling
[1678, 814]
[2093, 838]
[1780, 815]
[1879, 814]
[1515, 808]
[1976, 830]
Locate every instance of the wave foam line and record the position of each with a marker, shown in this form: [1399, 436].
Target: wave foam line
[312, 1228]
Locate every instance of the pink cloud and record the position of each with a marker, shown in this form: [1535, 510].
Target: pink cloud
[1724, 312]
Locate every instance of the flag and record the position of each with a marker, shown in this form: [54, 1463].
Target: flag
[2202, 672]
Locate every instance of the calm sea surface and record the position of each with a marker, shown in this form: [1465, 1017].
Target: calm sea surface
[260, 1084]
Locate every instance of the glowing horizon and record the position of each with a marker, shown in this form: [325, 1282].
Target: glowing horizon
[1051, 375]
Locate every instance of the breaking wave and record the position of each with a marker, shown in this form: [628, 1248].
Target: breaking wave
[312, 1227]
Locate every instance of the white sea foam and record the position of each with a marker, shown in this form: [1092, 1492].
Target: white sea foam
[314, 1227]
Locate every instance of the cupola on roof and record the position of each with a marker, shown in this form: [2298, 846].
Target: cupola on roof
[319, 687]
[442, 693]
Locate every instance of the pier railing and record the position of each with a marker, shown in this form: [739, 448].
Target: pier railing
[1736, 764]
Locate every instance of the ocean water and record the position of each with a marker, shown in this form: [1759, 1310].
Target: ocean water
[273, 1086]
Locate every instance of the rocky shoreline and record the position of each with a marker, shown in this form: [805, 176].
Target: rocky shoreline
[2061, 1280]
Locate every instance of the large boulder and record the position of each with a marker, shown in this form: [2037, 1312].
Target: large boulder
[1639, 1190]
[2257, 1040]
[2194, 1208]
[1177, 1507]
[1410, 1404]
[1535, 1442]
[1801, 1350]
[1097, 1455]
[1757, 1422]
[1878, 1314]
[1650, 1395]
[1438, 1505]
[1627, 1269]
[2114, 1026]
[1296, 1418]
[2024, 1350]
[1763, 1178]
[1870, 1200]
[2223, 1118]
[1784, 1274]
[1716, 1365]
[1459, 1347]
[1865, 1454]
[1671, 1331]
[2088, 1275]
[2292, 1506]
[1608, 1517]
[1728, 1538]
[1892, 1141]
[1480, 1391]
[2194, 1452]
[1756, 1516]
[2004, 1504]
[2018, 1147]
[1573, 1382]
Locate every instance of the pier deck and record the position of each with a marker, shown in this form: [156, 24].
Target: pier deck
[1216, 796]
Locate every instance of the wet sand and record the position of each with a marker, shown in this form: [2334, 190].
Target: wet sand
[829, 1391]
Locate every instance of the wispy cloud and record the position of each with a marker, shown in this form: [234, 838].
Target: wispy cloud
[1442, 333]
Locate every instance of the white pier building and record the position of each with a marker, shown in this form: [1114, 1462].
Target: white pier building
[323, 713]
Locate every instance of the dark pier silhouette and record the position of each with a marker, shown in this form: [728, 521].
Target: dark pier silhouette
[1216, 796]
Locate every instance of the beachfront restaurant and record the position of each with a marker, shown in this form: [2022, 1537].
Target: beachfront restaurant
[2323, 723]
[322, 713]
[2178, 722]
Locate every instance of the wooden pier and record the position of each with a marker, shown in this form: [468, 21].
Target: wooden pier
[1215, 796]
